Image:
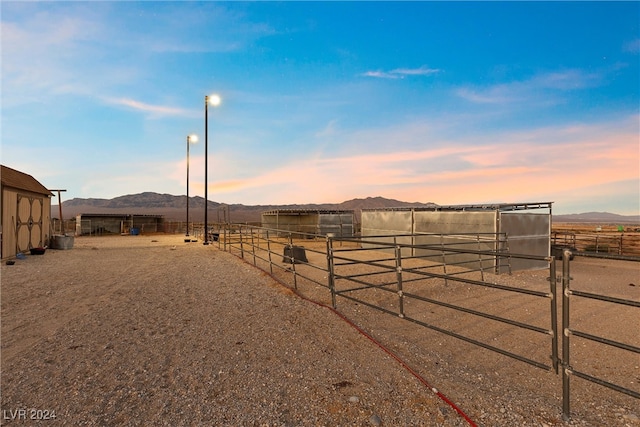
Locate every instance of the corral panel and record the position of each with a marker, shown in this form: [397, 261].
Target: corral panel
[388, 223]
[455, 222]
[293, 223]
[340, 224]
[451, 229]
[527, 233]
[383, 223]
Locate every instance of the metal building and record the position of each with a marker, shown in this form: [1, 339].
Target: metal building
[521, 228]
[104, 224]
[26, 213]
[310, 221]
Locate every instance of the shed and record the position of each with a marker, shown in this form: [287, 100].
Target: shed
[26, 212]
[520, 228]
[116, 223]
[310, 221]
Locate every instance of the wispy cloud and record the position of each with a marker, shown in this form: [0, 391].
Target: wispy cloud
[498, 94]
[157, 110]
[68, 48]
[535, 165]
[536, 88]
[632, 46]
[400, 73]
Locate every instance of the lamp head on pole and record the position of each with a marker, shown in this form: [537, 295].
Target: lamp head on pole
[213, 100]
[192, 138]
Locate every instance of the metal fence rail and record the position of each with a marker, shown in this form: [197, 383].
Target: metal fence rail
[391, 273]
[398, 275]
[265, 246]
[568, 370]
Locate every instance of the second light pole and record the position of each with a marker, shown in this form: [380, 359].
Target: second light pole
[214, 100]
[190, 139]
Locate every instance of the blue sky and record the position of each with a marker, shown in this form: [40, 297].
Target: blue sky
[322, 102]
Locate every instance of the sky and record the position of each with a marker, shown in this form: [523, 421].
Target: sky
[322, 102]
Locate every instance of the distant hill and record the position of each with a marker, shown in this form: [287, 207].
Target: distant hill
[173, 208]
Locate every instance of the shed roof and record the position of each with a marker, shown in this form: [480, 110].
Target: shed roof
[479, 207]
[307, 212]
[21, 181]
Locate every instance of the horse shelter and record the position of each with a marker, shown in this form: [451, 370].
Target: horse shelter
[519, 228]
[310, 221]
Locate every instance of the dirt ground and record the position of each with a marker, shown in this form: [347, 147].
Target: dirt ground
[150, 330]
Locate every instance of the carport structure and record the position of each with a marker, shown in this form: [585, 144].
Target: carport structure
[97, 223]
[521, 228]
[310, 221]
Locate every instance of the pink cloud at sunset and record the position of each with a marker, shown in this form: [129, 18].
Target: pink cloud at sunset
[531, 168]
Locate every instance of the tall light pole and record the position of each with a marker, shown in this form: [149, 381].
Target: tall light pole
[190, 139]
[215, 101]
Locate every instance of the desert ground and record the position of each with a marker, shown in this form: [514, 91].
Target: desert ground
[150, 330]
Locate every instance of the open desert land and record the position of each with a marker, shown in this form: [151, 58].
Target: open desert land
[150, 330]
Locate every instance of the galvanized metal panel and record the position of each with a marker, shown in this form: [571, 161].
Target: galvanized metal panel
[312, 222]
[527, 233]
[388, 223]
[454, 225]
[455, 222]
[340, 224]
[464, 242]
[291, 222]
[383, 223]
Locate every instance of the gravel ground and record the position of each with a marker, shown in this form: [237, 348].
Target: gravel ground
[149, 330]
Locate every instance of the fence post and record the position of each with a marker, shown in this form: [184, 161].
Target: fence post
[226, 237]
[480, 258]
[566, 368]
[269, 251]
[292, 259]
[553, 283]
[620, 249]
[241, 242]
[253, 245]
[330, 267]
[399, 277]
[444, 260]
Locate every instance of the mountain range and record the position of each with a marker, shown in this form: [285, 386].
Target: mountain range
[173, 208]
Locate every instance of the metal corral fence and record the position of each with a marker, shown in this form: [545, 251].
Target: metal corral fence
[571, 295]
[407, 277]
[618, 246]
[419, 283]
[399, 279]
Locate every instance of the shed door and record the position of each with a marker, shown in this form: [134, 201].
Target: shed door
[29, 222]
